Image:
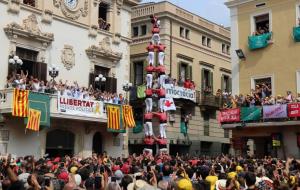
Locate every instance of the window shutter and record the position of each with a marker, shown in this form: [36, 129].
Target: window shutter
[110, 84]
[92, 79]
[42, 71]
[190, 72]
[211, 81]
[179, 70]
[131, 73]
[202, 80]
[230, 85]
[222, 83]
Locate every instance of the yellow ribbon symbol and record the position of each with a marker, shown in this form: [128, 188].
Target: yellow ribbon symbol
[97, 108]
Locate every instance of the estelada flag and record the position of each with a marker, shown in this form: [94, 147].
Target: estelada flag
[20, 103]
[128, 116]
[34, 119]
[113, 117]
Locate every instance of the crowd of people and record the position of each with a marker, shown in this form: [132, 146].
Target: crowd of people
[147, 172]
[260, 96]
[186, 83]
[24, 82]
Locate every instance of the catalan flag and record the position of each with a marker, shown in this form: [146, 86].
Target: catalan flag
[20, 103]
[34, 119]
[128, 116]
[113, 117]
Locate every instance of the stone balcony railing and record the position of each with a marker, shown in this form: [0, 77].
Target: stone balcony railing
[209, 100]
[6, 106]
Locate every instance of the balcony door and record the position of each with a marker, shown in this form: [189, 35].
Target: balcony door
[60, 143]
[110, 85]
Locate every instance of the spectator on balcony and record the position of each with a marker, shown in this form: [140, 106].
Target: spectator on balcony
[180, 81]
[240, 100]
[207, 90]
[298, 98]
[289, 97]
[187, 83]
[192, 85]
[35, 85]
[219, 93]
[280, 99]
[9, 81]
[266, 92]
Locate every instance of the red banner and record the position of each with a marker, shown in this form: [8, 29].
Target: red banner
[294, 110]
[230, 115]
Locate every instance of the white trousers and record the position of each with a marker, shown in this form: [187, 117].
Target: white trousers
[151, 57]
[156, 39]
[162, 130]
[161, 81]
[148, 128]
[161, 58]
[149, 78]
[161, 104]
[149, 104]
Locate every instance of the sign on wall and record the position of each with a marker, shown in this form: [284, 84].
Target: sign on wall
[80, 107]
[180, 92]
[294, 110]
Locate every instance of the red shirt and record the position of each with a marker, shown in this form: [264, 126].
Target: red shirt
[161, 69]
[148, 116]
[150, 48]
[161, 48]
[161, 92]
[150, 68]
[155, 30]
[148, 92]
[161, 116]
[187, 84]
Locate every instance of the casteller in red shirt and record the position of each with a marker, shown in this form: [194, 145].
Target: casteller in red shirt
[187, 83]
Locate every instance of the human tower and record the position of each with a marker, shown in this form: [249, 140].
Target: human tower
[155, 48]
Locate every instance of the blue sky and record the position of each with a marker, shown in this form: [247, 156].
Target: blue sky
[213, 10]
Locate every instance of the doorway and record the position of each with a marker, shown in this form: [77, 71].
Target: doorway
[60, 143]
[97, 143]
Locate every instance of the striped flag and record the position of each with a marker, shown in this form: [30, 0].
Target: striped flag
[20, 103]
[113, 117]
[34, 119]
[128, 116]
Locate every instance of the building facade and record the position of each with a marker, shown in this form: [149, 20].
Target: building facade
[273, 63]
[196, 49]
[82, 38]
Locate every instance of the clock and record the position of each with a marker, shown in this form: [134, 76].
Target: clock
[71, 4]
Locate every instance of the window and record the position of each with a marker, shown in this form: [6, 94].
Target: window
[187, 34]
[135, 31]
[181, 32]
[138, 73]
[203, 40]
[102, 17]
[183, 71]
[29, 2]
[207, 81]
[206, 123]
[226, 133]
[223, 48]
[261, 24]
[264, 84]
[226, 83]
[228, 49]
[30, 64]
[143, 30]
[110, 85]
[208, 43]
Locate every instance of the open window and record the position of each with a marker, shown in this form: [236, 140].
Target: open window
[102, 16]
[30, 64]
[109, 85]
[181, 32]
[263, 84]
[207, 81]
[262, 24]
[187, 34]
[143, 30]
[138, 73]
[208, 42]
[226, 83]
[204, 40]
[29, 2]
[135, 31]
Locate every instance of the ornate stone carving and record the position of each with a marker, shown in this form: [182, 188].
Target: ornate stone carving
[14, 6]
[93, 31]
[68, 57]
[103, 51]
[29, 29]
[119, 6]
[47, 16]
[81, 10]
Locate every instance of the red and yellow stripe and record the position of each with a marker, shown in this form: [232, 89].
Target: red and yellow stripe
[128, 116]
[34, 119]
[20, 103]
[113, 120]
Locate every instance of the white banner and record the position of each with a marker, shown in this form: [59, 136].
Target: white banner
[180, 92]
[80, 107]
[169, 104]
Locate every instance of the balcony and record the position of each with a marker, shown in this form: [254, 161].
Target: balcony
[6, 103]
[208, 101]
[259, 41]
